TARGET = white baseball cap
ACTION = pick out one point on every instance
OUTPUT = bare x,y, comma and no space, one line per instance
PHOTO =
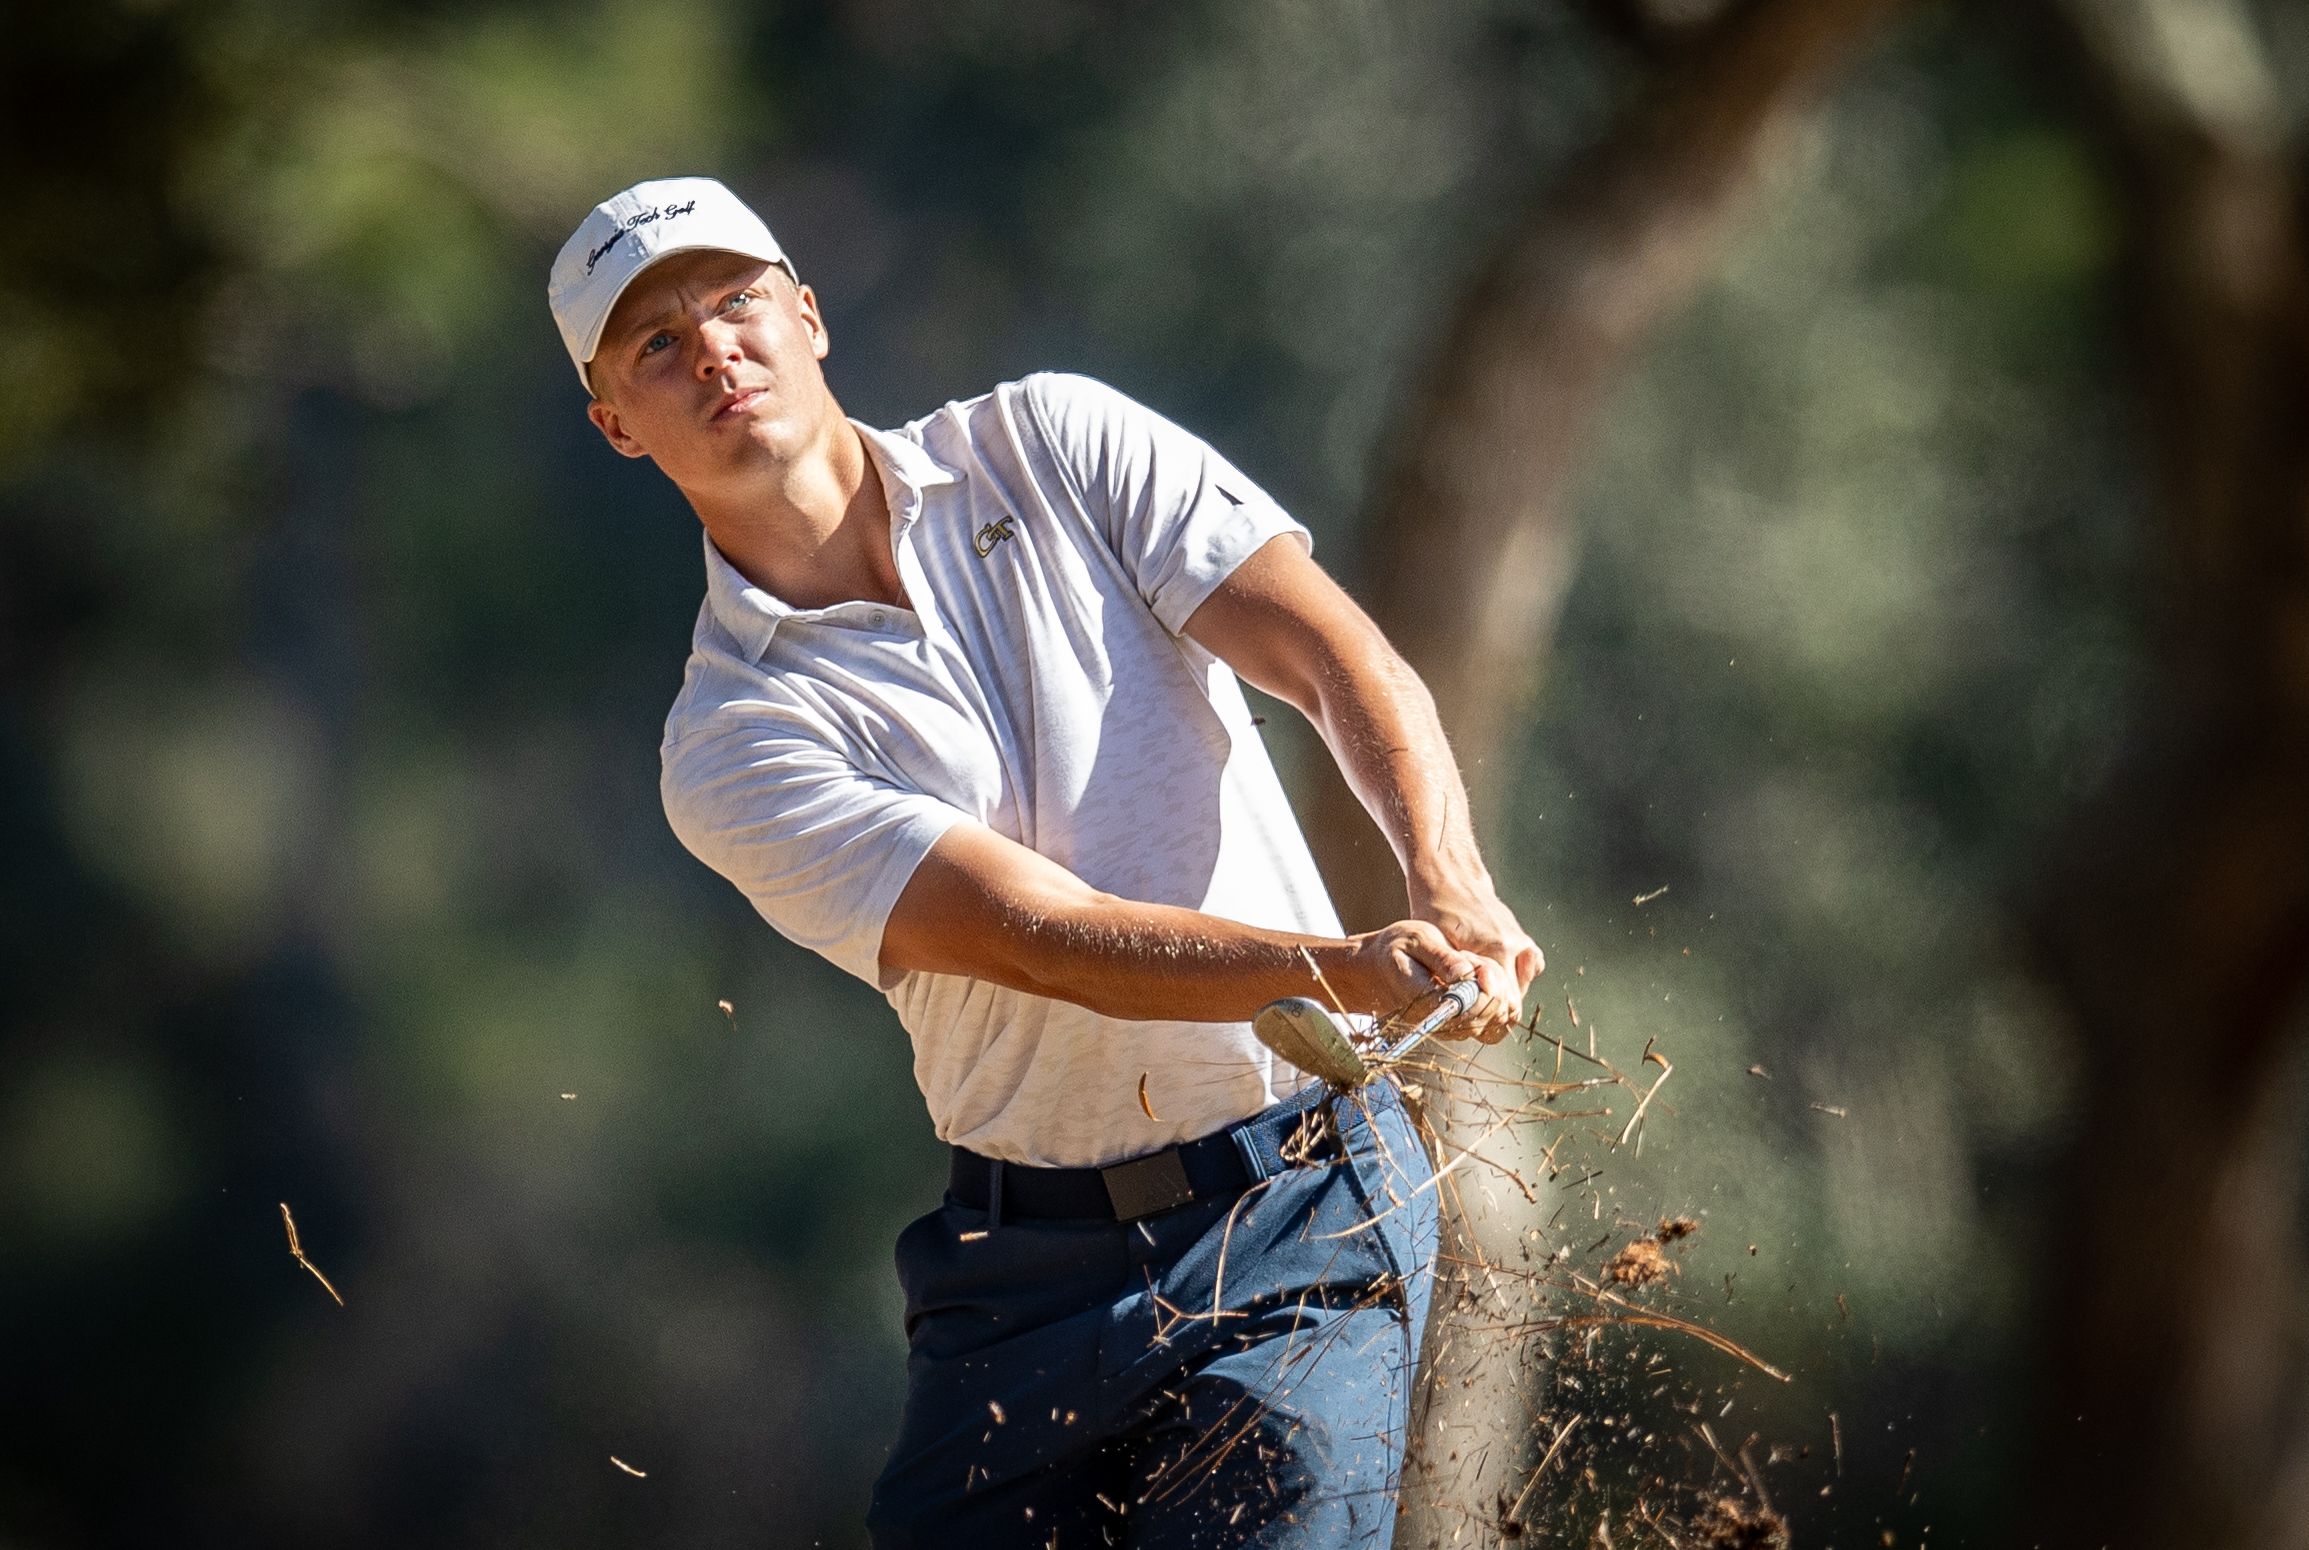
628,232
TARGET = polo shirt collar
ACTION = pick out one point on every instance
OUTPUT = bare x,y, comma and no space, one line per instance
909,460
748,613
752,615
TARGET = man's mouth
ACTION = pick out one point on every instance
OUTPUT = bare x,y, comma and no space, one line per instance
737,403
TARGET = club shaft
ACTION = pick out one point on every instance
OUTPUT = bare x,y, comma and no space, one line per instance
1458,998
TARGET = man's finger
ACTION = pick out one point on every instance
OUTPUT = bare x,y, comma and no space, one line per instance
1476,1022
1434,952
1498,1008
1530,964
1486,1019
1498,1019
1496,983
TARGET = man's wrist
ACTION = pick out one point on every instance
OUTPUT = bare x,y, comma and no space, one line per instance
1342,976
1437,883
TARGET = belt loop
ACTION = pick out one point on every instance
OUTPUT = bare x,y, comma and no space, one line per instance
994,1192
1246,1139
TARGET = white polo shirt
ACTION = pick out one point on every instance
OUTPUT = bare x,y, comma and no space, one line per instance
1053,536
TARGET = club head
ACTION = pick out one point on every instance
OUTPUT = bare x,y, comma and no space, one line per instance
1305,1033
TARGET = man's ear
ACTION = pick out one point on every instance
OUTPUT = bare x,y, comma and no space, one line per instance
606,420
806,304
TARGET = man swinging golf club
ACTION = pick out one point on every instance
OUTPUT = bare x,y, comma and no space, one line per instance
962,715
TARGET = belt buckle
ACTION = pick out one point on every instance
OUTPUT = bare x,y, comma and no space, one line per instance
1145,1185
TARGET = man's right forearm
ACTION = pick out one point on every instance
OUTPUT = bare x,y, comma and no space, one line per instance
1152,961
983,906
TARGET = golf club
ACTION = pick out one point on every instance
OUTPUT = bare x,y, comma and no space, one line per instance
1305,1033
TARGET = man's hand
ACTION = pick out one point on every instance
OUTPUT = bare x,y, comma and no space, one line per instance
1398,964
1401,963
1474,920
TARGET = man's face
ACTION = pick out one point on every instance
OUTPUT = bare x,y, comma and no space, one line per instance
709,366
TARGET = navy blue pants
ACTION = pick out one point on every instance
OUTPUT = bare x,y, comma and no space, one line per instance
1232,1372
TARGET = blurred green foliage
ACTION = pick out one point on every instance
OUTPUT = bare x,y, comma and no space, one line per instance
1858,623
333,649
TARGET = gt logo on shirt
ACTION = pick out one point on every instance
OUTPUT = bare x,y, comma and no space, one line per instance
991,534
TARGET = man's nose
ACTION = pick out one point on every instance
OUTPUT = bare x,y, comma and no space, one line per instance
717,348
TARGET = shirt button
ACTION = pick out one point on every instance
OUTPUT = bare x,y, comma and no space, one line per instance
878,618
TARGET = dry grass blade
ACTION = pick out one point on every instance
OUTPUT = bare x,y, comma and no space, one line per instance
1666,1071
1553,1448
1698,1332
296,1249
1316,969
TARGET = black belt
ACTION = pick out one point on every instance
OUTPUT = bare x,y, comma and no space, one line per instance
1300,1129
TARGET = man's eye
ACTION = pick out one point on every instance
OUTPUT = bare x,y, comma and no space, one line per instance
739,298
649,345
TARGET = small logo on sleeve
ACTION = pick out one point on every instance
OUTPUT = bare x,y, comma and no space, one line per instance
991,534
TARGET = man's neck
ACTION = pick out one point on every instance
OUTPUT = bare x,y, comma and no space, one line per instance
816,531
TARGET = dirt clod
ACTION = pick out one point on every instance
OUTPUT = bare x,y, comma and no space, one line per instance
1727,1523
1639,1264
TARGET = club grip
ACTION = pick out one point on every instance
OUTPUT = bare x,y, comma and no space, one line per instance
1458,1001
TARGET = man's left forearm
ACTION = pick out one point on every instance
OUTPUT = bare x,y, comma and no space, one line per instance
1380,724
1287,627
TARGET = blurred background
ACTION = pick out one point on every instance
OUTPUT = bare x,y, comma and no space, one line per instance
1892,570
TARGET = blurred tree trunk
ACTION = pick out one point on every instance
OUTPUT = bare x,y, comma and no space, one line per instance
1466,547
2178,925
1468,552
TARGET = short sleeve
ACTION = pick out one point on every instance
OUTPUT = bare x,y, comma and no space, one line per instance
1177,514
821,849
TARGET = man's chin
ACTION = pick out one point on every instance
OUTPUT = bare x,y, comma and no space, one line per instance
741,454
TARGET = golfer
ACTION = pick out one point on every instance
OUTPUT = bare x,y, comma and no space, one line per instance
961,714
